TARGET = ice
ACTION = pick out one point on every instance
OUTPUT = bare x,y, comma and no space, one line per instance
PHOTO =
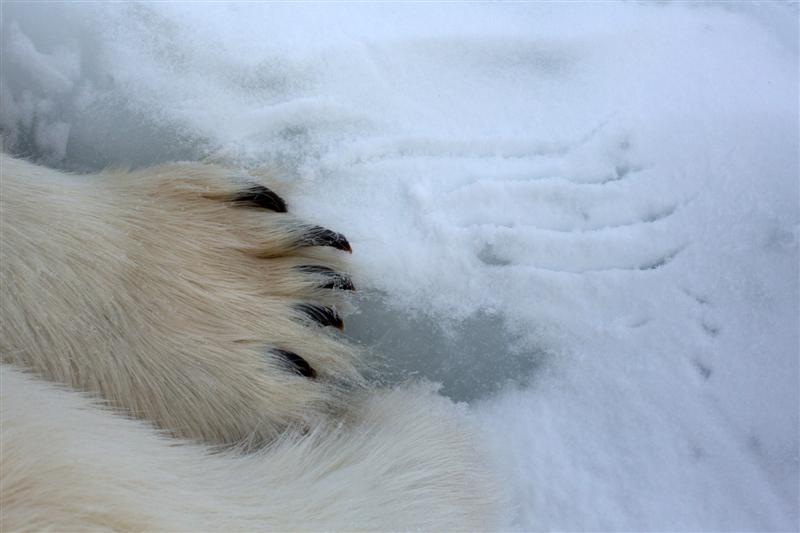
582,219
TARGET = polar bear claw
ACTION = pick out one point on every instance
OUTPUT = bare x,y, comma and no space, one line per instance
169,362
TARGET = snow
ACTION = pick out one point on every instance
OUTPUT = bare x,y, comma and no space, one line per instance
581,218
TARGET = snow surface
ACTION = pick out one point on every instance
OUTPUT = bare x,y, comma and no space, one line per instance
581,218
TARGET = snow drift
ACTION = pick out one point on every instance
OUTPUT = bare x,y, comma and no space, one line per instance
581,219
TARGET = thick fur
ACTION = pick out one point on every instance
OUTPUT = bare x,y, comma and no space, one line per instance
186,297
159,293
405,464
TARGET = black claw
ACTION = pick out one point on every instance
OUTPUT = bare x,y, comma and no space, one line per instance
260,196
324,316
299,364
336,280
319,236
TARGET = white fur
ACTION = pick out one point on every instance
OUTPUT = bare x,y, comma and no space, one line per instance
405,463
158,296
151,290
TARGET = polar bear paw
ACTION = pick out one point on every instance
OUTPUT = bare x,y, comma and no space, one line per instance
183,294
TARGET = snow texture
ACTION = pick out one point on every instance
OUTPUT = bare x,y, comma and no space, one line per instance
581,218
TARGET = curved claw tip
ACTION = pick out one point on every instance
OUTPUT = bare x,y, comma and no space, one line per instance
260,196
332,278
324,316
319,236
297,363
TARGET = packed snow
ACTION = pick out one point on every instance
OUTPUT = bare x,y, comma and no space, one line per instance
582,219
